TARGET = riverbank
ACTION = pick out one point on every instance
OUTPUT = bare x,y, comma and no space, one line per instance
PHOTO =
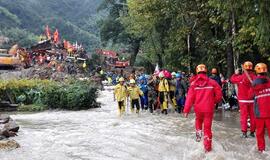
39,95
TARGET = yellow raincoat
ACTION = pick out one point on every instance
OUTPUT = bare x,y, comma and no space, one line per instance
163,89
134,92
163,86
120,94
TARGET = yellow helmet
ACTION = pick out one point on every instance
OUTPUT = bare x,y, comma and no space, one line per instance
132,81
201,68
121,79
261,68
248,65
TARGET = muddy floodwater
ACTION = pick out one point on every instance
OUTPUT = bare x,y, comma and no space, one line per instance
99,134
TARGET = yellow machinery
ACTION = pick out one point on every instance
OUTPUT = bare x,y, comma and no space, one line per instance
8,60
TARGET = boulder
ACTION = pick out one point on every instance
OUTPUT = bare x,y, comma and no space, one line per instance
6,134
8,145
12,126
4,118
2,137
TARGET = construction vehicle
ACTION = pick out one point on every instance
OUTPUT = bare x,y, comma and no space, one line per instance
8,60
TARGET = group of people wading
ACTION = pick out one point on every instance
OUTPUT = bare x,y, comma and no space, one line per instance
204,93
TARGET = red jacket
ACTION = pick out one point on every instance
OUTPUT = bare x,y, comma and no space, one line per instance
262,96
204,93
192,78
244,87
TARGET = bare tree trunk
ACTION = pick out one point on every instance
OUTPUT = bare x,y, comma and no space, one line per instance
230,61
191,50
135,50
160,63
189,53
229,50
236,53
162,50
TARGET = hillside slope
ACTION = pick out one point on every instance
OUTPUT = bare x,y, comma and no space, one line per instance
24,20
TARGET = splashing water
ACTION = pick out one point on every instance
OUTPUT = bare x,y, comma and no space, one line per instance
99,134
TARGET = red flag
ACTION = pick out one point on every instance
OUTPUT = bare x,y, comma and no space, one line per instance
56,36
47,30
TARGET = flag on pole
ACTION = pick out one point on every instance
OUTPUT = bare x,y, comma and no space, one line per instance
47,30
157,68
56,36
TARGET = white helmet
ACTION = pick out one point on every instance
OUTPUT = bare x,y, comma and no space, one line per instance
161,75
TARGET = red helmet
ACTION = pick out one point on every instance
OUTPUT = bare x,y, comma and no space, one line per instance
201,69
248,65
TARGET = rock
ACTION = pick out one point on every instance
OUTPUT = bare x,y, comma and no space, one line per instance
9,144
4,118
5,133
12,126
2,137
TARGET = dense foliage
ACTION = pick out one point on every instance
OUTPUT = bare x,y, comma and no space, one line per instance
71,95
75,20
178,34
113,33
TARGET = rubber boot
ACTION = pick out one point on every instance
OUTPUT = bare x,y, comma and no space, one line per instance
165,111
146,107
252,134
179,109
151,108
207,144
244,135
198,136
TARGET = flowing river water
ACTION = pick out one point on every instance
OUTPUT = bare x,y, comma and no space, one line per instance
99,134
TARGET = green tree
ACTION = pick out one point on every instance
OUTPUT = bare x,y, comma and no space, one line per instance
182,33
113,31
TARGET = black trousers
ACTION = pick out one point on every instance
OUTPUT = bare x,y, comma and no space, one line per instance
161,97
121,105
135,102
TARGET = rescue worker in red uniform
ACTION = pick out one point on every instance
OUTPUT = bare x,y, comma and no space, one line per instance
245,99
261,87
203,93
